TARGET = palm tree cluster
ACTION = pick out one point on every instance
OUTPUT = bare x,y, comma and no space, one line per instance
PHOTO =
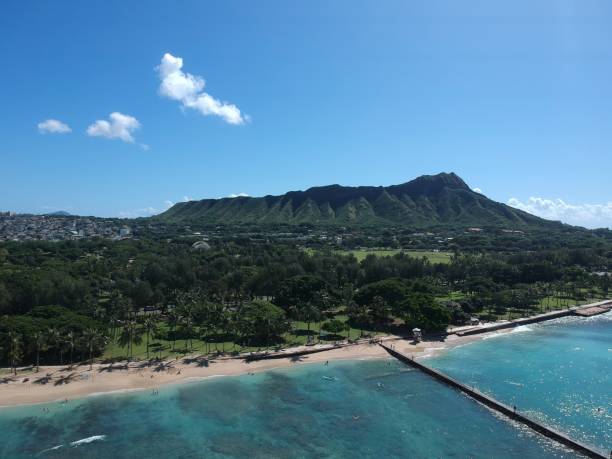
195,317
53,340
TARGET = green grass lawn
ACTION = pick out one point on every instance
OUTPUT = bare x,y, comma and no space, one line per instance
544,305
452,296
433,257
164,348
550,303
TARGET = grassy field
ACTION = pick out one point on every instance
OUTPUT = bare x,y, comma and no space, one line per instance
164,348
545,305
452,296
433,257
560,303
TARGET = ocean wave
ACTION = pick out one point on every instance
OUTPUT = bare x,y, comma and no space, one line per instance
492,335
503,332
117,391
87,440
50,449
515,383
521,328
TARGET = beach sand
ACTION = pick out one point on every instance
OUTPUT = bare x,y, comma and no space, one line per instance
58,383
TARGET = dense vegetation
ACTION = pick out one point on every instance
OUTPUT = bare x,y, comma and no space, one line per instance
67,301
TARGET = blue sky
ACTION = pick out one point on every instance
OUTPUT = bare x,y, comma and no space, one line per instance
515,98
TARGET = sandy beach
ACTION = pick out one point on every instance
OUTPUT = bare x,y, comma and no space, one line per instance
58,383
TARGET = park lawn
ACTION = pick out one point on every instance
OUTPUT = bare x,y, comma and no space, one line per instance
452,296
433,257
546,304
163,348
553,302
299,333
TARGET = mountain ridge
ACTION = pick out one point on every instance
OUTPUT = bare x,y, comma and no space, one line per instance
428,200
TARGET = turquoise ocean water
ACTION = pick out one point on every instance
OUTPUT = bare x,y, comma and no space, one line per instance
559,372
356,409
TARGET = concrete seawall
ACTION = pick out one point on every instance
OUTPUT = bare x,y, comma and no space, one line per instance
500,407
603,305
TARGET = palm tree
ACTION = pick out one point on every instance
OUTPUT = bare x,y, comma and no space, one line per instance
150,327
113,323
233,327
92,338
216,320
310,313
187,322
173,321
188,329
39,342
130,334
70,342
204,329
54,338
14,350
225,324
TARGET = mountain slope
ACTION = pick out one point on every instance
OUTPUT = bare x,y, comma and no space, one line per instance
426,201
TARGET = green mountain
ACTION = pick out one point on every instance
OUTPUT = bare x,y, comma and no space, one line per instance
429,200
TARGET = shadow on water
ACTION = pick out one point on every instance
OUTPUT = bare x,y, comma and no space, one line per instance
221,401
240,445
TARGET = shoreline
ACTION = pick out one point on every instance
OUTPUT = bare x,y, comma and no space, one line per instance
60,383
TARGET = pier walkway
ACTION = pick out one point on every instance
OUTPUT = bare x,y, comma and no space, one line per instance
492,403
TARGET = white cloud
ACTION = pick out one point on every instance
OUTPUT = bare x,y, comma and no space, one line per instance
120,127
189,90
588,215
52,126
238,195
477,190
145,211
135,213
187,198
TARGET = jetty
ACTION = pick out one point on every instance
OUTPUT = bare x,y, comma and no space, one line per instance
593,310
492,403
586,310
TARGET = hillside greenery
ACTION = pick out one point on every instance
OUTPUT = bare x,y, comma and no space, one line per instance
424,202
